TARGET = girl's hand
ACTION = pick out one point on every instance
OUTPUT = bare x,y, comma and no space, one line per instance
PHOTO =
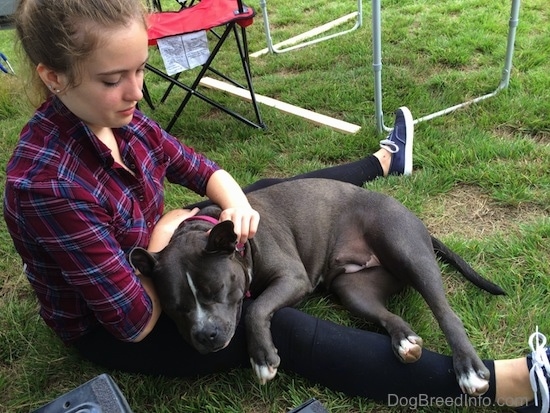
245,221
166,226
223,190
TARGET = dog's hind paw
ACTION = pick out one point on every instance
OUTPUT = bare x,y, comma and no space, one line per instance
472,384
410,349
264,372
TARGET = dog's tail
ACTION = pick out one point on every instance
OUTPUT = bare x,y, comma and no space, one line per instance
449,257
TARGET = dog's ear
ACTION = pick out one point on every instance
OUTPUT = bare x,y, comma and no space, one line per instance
222,238
143,261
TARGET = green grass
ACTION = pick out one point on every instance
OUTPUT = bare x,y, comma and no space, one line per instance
481,183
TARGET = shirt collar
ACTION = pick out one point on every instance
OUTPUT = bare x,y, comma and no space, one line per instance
75,128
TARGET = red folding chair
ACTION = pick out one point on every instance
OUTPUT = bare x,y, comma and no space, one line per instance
206,15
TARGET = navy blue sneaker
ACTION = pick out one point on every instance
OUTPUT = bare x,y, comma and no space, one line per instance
539,374
400,143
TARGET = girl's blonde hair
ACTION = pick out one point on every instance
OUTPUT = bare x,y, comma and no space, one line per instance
62,34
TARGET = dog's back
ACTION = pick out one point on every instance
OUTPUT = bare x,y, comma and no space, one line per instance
328,224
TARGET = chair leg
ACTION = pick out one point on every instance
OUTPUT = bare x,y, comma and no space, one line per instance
195,84
169,89
154,5
192,89
242,45
192,92
147,96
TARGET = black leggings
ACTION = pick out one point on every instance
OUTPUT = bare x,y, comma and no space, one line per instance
356,362
356,173
353,361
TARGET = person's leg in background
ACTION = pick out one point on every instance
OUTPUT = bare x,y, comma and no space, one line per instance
394,157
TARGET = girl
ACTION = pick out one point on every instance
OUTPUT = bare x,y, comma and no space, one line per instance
85,186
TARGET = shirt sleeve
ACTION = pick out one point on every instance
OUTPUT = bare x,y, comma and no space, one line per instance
180,163
79,238
186,166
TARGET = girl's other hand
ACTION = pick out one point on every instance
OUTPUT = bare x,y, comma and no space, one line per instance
166,226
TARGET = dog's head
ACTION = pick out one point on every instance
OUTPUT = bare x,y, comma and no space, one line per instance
201,280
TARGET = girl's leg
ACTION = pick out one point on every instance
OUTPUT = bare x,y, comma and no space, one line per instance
362,363
393,157
356,173
163,352
353,361
513,385
518,380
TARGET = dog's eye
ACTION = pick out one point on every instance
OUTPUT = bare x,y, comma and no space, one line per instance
216,290
214,295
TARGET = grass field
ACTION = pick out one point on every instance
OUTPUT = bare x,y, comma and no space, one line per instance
481,183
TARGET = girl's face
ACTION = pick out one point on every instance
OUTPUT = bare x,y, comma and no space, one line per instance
112,80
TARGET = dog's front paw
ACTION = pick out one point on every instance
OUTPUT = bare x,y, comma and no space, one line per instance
474,383
409,349
264,372
262,352
472,375
266,369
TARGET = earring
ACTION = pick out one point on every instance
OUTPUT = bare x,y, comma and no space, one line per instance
54,90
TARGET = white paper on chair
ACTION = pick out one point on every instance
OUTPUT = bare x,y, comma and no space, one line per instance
183,52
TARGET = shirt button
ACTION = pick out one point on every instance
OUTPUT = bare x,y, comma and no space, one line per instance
141,198
132,166
149,225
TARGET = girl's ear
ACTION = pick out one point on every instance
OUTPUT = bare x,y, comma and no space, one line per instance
52,79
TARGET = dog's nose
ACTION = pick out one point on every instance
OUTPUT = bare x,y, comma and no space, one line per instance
209,338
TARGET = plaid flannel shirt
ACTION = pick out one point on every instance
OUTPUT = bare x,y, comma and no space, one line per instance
74,215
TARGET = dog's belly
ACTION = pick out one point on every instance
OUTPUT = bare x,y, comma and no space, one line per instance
327,238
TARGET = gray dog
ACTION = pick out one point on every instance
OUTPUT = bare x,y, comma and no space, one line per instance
363,246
